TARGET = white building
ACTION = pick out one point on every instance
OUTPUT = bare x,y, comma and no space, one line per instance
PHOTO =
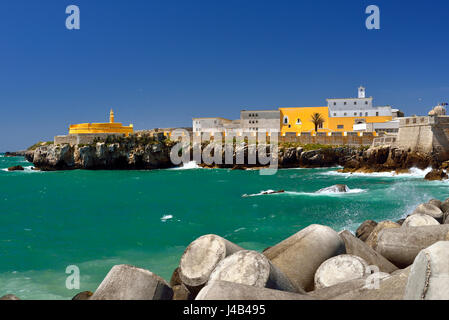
357,107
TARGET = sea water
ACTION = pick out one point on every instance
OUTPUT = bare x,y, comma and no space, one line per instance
97,219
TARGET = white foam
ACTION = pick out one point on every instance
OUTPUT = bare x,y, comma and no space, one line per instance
294,193
413,173
166,217
188,166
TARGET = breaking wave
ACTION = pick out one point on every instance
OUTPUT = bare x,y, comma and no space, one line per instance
413,173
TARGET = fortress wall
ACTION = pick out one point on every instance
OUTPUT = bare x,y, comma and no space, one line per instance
87,138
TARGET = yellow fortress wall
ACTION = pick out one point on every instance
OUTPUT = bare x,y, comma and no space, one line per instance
111,127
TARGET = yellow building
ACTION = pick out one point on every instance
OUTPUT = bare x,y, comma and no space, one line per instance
299,120
111,127
340,115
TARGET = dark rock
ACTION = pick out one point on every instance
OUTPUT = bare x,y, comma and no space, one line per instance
436,174
16,168
365,229
85,295
9,297
436,203
180,292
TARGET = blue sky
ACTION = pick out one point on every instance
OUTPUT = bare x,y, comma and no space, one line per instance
160,63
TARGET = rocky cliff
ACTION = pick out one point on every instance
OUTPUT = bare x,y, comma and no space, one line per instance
101,155
386,158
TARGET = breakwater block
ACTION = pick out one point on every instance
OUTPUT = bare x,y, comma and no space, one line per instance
254,269
360,249
300,255
430,210
372,239
402,245
125,282
419,220
387,288
429,275
224,290
340,269
200,259
365,229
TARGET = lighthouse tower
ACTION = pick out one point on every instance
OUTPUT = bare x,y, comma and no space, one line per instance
111,116
362,92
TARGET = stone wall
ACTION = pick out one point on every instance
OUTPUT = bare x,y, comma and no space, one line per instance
76,139
336,139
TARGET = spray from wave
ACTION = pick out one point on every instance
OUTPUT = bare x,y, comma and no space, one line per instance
413,173
188,166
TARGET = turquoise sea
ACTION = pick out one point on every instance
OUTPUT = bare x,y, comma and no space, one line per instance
96,219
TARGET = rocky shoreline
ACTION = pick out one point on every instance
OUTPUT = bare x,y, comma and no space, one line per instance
403,260
147,153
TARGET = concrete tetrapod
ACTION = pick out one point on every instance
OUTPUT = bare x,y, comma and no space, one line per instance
224,290
340,269
359,248
430,210
254,269
402,245
372,239
200,259
419,220
300,255
429,275
125,282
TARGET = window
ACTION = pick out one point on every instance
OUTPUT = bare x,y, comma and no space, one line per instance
366,102
340,126
361,113
286,120
345,103
298,121
366,114
377,114
346,114
335,114
355,113
355,103
257,115
335,103
289,126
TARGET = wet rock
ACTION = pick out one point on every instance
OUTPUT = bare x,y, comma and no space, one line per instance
254,269
180,292
338,188
340,269
16,168
85,295
299,256
365,229
436,174
9,297
125,282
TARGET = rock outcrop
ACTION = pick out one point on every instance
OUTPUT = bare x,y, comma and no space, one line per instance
386,158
